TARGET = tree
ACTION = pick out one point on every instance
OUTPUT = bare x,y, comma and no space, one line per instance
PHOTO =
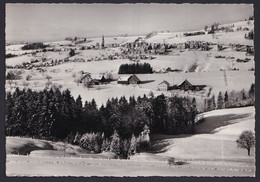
246,140
213,102
220,101
115,143
251,35
72,52
251,92
206,28
226,100
48,77
133,145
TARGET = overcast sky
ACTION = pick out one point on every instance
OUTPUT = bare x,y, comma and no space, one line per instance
44,22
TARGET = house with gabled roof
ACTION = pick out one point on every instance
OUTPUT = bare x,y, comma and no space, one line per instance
132,79
186,85
163,86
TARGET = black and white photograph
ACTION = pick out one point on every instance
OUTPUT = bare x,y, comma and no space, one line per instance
129,90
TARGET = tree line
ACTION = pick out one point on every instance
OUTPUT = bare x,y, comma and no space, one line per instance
232,99
36,45
137,68
54,115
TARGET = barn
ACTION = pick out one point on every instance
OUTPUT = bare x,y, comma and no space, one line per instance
133,79
186,85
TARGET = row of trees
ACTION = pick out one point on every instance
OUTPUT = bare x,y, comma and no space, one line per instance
232,99
97,142
36,45
135,68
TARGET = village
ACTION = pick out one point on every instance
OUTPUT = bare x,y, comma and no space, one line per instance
164,101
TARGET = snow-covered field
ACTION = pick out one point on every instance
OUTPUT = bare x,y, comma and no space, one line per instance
206,154
62,75
215,138
44,166
199,67
212,151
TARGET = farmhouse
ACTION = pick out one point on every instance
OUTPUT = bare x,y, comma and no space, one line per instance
133,79
186,85
98,79
85,77
163,86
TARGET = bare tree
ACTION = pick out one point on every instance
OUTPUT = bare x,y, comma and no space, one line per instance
48,77
246,140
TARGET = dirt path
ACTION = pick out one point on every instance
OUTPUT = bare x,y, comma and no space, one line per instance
49,166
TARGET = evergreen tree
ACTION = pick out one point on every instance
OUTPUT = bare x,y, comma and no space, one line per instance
78,113
133,145
124,147
226,101
105,147
213,102
115,143
220,101
244,97
251,92
159,110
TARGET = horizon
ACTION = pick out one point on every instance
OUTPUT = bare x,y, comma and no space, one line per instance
67,20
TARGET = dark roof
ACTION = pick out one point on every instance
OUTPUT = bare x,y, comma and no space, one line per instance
186,81
135,77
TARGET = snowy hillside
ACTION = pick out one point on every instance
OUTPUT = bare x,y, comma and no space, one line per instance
199,67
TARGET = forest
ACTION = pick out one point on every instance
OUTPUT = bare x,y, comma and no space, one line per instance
54,115
122,126
137,68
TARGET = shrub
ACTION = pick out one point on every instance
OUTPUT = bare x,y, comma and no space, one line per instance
91,141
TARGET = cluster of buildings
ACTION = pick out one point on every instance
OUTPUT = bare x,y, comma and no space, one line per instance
162,86
185,85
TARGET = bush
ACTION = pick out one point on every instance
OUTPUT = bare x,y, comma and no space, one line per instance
91,141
